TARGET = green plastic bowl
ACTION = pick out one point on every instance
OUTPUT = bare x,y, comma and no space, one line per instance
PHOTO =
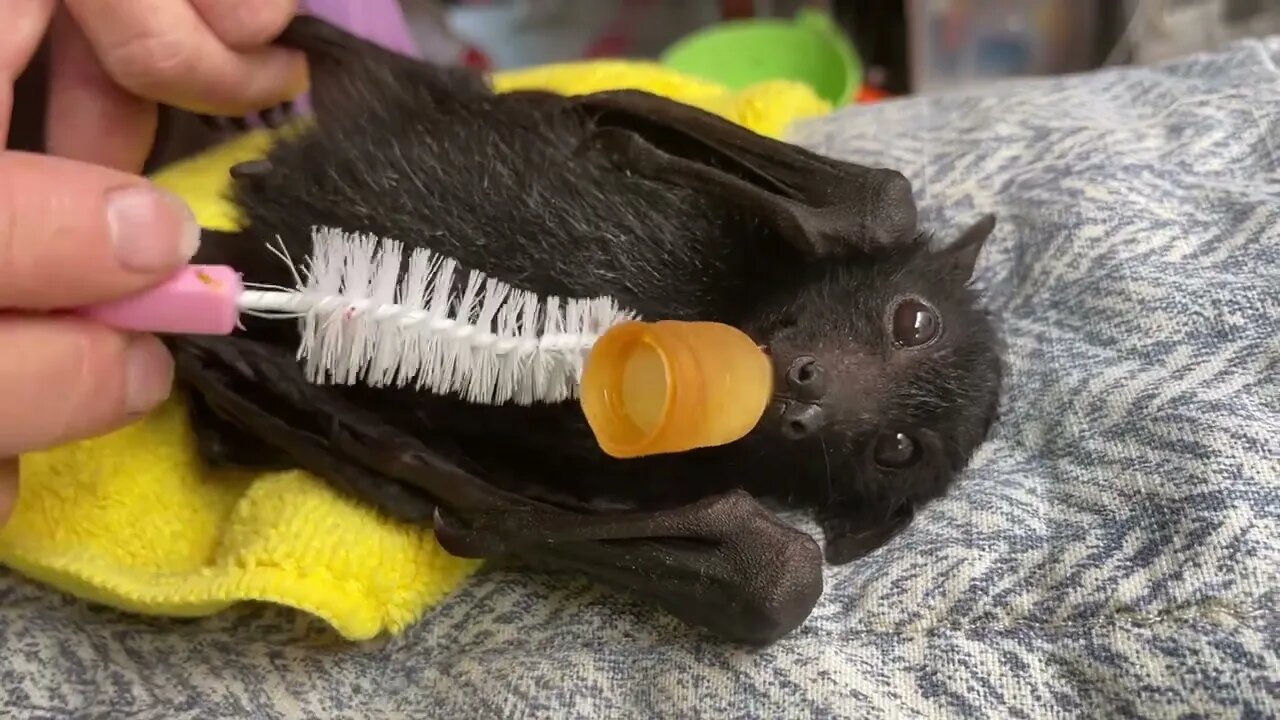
810,49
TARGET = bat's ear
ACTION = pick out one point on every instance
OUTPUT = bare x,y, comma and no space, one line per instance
849,536
961,256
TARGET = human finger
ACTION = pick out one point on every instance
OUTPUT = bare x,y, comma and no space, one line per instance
90,117
20,35
163,51
246,24
73,234
74,379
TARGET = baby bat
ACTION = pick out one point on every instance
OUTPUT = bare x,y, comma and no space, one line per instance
887,370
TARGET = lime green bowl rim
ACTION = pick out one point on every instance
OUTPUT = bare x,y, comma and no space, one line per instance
808,20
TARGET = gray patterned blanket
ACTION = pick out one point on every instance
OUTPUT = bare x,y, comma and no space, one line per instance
1113,551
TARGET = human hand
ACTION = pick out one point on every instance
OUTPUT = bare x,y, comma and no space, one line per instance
111,61
72,234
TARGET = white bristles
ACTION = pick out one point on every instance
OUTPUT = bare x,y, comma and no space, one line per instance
366,318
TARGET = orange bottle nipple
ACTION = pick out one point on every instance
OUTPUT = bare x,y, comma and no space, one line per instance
671,386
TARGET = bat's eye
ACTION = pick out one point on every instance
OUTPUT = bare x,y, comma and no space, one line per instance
914,324
896,450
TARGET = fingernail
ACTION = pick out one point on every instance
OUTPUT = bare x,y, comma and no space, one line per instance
148,374
151,229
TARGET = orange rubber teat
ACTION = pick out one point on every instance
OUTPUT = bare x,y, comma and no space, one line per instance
670,386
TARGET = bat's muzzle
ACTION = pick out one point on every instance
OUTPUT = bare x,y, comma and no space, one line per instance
805,383
801,419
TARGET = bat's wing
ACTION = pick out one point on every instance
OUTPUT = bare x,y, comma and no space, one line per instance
820,205
726,563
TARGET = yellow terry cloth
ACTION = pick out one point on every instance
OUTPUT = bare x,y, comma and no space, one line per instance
133,521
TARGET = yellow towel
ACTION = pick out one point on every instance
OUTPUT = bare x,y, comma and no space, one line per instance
132,521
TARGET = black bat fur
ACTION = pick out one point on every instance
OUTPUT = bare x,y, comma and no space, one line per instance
678,215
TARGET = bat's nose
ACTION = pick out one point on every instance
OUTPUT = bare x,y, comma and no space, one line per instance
801,420
806,379
800,392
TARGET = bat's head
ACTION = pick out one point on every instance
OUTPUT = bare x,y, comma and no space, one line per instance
888,378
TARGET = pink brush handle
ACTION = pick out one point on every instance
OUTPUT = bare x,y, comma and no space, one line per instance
198,300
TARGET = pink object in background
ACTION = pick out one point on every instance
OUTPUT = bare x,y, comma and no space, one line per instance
381,21
198,300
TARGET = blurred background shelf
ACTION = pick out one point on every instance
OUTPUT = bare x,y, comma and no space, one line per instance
905,46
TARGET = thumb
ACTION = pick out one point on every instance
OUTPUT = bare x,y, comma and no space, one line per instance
73,234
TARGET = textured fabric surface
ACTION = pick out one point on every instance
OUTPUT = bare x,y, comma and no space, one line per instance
1113,551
